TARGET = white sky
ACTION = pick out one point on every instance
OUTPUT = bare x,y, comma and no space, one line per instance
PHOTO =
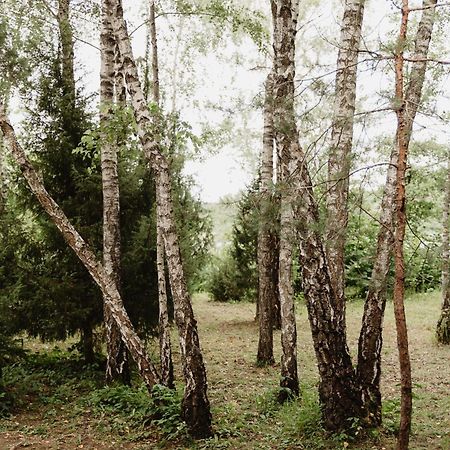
215,78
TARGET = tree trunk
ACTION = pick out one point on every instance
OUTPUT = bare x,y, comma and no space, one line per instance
165,348
370,338
399,285
267,284
67,52
84,253
285,14
339,160
443,326
337,388
195,407
2,177
116,358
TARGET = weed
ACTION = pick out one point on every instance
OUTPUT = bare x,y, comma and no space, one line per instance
391,414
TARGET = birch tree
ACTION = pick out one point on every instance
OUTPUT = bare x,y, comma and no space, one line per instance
338,391
266,263
370,339
285,14
339,160
165,348
195,406
116,357
84,253
67,48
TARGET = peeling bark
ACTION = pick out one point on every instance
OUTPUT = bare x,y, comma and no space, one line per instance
371,339
339,160
116,357
267,283
165,348
2,177
285,14
338,392
84,253
443,326
195,406
67,52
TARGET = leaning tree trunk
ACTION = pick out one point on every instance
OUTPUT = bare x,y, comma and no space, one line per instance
443,325
165,348
84,253
370,338
267,284
339,159
284,14
116,360
195,406
399,285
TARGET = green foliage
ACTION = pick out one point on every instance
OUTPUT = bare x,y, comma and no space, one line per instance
222,279
223,13
234,276
391,415
359,251
51,379
46,286
138,409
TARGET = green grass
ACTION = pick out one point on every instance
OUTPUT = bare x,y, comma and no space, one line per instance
59,403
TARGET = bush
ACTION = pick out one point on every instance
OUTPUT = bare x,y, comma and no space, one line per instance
222,280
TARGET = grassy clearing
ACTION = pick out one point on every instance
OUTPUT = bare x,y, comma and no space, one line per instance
62,405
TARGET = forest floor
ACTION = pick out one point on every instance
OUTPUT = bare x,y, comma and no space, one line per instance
63,407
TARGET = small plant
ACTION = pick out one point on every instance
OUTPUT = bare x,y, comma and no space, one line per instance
130,407
391,414
166,411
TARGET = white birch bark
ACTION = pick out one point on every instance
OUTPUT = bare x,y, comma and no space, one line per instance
267,287
195,407
116,357
337,388
165,348
67,51
339,161
84,253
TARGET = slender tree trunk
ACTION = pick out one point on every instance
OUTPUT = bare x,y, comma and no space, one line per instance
370,339
267,284
116,358
338,392
339,161
443,326
2,177
67,51
195,407
399,285
285,14
165,349
84,253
